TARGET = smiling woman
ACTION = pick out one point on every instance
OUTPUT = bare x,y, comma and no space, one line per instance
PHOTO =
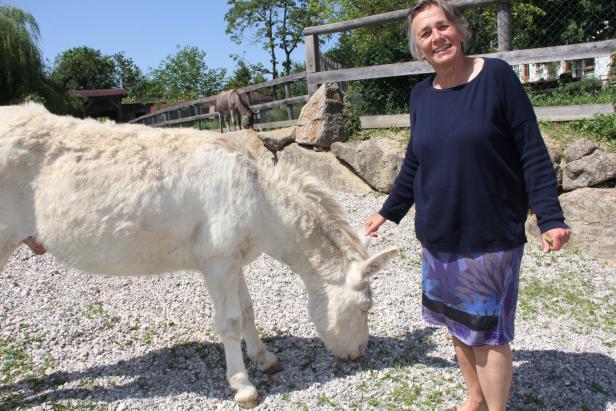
475,161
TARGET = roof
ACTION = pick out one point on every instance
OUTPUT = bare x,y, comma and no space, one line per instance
106,92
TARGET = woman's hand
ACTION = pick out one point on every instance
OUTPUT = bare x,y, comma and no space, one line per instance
372,224
554,239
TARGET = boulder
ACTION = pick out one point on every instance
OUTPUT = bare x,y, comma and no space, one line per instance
590,214
326,167
580,148
252,142
321,121
588,171
555,153
377,160
276,140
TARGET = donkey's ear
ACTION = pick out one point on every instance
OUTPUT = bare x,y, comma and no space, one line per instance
365,240
378,261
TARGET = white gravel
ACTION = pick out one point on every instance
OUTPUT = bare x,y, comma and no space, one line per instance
71,340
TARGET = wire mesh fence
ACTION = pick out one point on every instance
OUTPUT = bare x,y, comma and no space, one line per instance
546,23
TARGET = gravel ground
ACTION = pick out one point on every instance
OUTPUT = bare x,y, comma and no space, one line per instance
70,340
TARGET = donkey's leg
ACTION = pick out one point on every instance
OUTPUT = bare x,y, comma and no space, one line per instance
223,283
256,350
8,245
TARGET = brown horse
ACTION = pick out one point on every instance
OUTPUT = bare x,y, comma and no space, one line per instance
232,105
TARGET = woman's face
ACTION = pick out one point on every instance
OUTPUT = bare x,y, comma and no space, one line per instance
438,39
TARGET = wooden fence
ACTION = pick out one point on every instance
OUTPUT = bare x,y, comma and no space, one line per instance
318,72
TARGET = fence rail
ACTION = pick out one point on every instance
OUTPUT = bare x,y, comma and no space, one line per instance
540,55
549,113
385,18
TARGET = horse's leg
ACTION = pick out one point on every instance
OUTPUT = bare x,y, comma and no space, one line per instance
257,351
223,283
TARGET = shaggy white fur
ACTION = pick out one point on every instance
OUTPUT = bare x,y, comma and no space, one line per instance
135,200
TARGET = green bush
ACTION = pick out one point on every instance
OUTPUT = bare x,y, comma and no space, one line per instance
586,91
602,127
350,117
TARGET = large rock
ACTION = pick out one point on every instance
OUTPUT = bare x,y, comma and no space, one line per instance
590,212
252,142
377,160
556,154
321,121
326,167
276,140
589,171
580,148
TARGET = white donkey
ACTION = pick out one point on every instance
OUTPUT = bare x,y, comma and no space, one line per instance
134,200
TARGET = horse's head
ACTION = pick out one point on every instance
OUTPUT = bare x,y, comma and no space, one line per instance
340,311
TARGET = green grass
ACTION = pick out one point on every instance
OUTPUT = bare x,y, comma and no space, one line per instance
393,133
570,295
601,129
96,311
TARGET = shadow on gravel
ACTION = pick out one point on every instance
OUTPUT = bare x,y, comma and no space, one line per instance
199,368
544,380
556,380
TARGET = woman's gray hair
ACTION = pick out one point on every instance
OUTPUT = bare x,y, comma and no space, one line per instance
453,14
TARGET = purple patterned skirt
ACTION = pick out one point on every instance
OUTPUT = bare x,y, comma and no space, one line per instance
473,294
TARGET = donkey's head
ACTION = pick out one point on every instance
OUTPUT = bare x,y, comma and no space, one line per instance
248,120
339,311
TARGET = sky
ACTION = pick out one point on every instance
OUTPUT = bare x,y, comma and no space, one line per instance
147,31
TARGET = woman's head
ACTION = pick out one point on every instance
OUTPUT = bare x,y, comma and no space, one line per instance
418,13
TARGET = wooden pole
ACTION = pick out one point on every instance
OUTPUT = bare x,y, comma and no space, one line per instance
287,94
504,23
311,43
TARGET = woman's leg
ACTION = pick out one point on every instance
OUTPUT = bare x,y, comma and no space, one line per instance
494,370
466,361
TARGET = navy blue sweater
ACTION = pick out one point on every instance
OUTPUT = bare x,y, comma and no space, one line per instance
475,160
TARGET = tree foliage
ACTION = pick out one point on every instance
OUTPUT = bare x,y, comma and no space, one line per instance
128,76
275,24
21,66
374,45
245,74
258,16
185,76
83,68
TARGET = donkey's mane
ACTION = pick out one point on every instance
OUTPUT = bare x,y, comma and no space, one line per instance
308,193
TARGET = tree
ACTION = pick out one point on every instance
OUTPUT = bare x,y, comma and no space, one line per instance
83,68
274,24
21,66
374,45
294,16
129,76
185,76
245,74
258,15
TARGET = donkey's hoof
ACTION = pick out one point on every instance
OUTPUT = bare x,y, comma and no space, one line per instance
247,397
271,364
272,368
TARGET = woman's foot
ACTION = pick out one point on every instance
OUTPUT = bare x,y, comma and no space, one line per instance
471,405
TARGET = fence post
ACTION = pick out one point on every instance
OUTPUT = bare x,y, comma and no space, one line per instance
503,19
287,94
311,45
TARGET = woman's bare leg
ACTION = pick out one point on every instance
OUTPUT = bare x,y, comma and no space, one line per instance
466,360
494,369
